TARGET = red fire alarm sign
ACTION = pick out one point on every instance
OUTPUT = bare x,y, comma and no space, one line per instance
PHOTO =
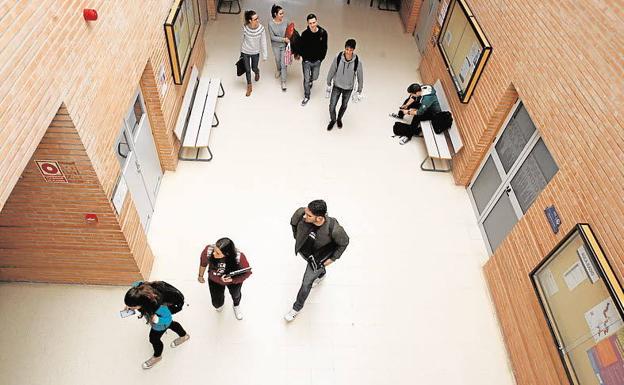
91,219
51,171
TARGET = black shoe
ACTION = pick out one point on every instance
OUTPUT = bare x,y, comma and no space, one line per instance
339,123
330,125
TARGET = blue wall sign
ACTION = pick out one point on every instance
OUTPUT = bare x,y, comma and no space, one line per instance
553,218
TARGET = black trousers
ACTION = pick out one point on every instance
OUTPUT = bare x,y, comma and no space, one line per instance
217,293
251,63
155,336
413,128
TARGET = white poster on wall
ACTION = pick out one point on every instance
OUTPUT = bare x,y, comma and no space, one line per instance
603,319
574,275
547,279
588,264
162,80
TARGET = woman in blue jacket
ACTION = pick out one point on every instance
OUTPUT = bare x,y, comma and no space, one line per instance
144,298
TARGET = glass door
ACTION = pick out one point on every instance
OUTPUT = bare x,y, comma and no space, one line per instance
516,169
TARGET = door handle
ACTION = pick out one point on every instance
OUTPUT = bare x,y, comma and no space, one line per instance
508,190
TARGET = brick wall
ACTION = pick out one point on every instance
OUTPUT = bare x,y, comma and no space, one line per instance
563,60
410,10
53,57
43,232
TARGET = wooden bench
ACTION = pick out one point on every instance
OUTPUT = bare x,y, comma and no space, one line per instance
440,146
197,115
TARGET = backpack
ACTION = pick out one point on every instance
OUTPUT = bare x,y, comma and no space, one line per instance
355,67
171,296
442,121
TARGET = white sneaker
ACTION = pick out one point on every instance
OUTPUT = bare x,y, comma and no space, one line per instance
318,281
219,309
292,313
238,313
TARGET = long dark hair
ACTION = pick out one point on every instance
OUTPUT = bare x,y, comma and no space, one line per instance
248,15
145,297
274,10
227,247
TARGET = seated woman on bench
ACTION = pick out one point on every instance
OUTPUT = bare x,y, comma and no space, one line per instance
422,103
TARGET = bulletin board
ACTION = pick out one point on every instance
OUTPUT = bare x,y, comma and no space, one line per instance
582,301
181,30
464,47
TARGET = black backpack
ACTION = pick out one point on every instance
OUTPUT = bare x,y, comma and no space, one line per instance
355,66
442,121
316,257
171,296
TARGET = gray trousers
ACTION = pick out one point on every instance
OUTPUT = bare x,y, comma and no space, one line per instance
310,73
278,52
306,285
335,95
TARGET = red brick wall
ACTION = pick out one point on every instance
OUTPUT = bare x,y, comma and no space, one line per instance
410,10
563,60
53,57
43,232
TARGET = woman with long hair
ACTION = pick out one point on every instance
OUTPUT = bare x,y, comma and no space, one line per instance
221,259
279,40
253,42
148,301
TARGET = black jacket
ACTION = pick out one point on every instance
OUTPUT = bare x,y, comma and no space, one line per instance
313,46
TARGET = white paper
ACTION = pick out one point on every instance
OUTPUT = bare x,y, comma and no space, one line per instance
120,195
475,51
588,264
547,279
574,275
603,319
443,10
162,80
465,69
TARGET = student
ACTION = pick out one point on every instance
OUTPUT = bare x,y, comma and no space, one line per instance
313,47
342,74
148,301
321,241
422,103
221,259
253,42
279,40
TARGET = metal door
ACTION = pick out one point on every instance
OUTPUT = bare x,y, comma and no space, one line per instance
428,14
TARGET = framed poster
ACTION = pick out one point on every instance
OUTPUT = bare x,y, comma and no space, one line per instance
585,314
181,30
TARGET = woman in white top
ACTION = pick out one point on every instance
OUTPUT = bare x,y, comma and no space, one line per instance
277,32
253,41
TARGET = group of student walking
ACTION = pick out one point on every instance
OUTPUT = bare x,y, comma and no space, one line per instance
319,239
345,74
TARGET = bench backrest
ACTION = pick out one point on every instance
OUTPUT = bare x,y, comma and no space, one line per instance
185,109
444,105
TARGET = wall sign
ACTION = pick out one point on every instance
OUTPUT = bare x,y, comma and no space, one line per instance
120,194
553,218
51,171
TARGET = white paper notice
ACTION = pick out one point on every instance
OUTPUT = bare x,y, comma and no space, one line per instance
588,264
603,319
547,279
574,275
120,195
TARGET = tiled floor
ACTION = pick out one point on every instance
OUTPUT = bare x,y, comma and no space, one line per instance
407,303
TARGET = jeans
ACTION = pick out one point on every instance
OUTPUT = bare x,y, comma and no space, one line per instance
310,73
278,52
306,285
155,336
335,95
251,63
217,293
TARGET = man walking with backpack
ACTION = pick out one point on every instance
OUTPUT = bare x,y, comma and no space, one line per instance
320,240
312,46
342,74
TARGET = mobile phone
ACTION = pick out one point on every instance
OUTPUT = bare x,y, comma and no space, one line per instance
126,313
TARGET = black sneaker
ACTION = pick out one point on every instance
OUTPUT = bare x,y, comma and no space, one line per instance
339,123
331,125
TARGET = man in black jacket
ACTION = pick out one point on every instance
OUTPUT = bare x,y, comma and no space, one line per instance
313,47
321,241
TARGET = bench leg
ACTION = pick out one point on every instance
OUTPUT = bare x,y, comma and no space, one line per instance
215,116
230,9
386,8
196,158
222,91
434,169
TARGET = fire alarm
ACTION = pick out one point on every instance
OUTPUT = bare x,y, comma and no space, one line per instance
91,219
89,14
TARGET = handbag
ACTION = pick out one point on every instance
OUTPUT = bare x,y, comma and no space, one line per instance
288,57
240,66
442,121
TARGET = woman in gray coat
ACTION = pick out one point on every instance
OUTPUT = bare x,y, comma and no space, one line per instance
277,32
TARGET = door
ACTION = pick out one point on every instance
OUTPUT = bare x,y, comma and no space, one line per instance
136,152
428,14
516,169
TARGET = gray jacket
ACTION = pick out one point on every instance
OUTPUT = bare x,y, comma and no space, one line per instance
344,73
301,229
